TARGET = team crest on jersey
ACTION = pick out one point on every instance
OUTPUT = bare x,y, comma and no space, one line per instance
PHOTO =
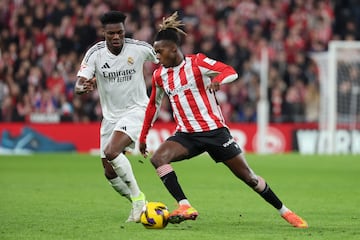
130,61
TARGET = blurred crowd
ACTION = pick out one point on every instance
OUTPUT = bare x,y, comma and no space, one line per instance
43,41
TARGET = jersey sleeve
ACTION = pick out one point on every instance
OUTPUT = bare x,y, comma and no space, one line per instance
152,56
149,52
223,73
152,109
87,67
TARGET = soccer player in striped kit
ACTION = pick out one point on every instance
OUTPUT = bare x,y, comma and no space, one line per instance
190,83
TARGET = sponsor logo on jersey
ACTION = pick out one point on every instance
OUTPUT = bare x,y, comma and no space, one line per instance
180,89
119,76
106,65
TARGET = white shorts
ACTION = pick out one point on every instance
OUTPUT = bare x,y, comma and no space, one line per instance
130,123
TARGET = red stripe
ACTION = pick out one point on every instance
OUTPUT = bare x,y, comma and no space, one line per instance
183,79
191,100
195,110
151,108
221,122
171,84
157,77
182,114
202,89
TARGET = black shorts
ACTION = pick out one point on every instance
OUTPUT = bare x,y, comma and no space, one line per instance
218,143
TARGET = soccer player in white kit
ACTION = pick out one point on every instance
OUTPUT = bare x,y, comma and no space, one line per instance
117,65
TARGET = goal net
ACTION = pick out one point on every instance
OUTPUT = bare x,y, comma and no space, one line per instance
339,118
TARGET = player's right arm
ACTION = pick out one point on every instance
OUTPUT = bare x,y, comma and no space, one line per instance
84,85
86,82
151,113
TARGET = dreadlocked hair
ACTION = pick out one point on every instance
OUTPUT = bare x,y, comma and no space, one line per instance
170,29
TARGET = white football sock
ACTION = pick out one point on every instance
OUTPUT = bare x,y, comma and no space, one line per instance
283,210
184,202
119,186
123,169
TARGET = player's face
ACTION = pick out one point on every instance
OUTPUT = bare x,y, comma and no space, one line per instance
114,34
167,53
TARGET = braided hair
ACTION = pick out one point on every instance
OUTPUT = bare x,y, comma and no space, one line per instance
170,29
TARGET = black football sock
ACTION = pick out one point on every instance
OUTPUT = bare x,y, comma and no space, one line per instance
171,183
270,197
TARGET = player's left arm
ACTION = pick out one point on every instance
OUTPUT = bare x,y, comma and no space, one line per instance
221,72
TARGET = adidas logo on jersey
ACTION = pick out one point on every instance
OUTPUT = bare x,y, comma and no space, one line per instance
106,65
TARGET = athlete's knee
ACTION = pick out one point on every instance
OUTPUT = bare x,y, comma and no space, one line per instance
159,159
110,154
156,162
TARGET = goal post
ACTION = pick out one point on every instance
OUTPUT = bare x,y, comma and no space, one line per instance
339,79
263,105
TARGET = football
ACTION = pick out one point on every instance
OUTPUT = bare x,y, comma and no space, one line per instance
155,215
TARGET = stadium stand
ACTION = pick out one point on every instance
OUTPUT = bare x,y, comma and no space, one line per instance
42,42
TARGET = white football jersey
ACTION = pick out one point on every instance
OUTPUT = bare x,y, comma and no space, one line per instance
120,79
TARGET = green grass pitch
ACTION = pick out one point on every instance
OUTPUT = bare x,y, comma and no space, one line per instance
65,196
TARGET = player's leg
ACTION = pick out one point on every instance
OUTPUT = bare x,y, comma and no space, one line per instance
115,181
170,151
122,167
118,184
240,168
222,148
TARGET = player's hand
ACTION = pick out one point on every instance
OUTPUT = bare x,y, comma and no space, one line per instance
92,83
89,85
85,85
143,151
213,87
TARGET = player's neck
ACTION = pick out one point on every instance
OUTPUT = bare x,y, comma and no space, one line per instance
179,59
115,51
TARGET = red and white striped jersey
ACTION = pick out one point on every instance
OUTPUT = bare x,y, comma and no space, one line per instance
195,108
